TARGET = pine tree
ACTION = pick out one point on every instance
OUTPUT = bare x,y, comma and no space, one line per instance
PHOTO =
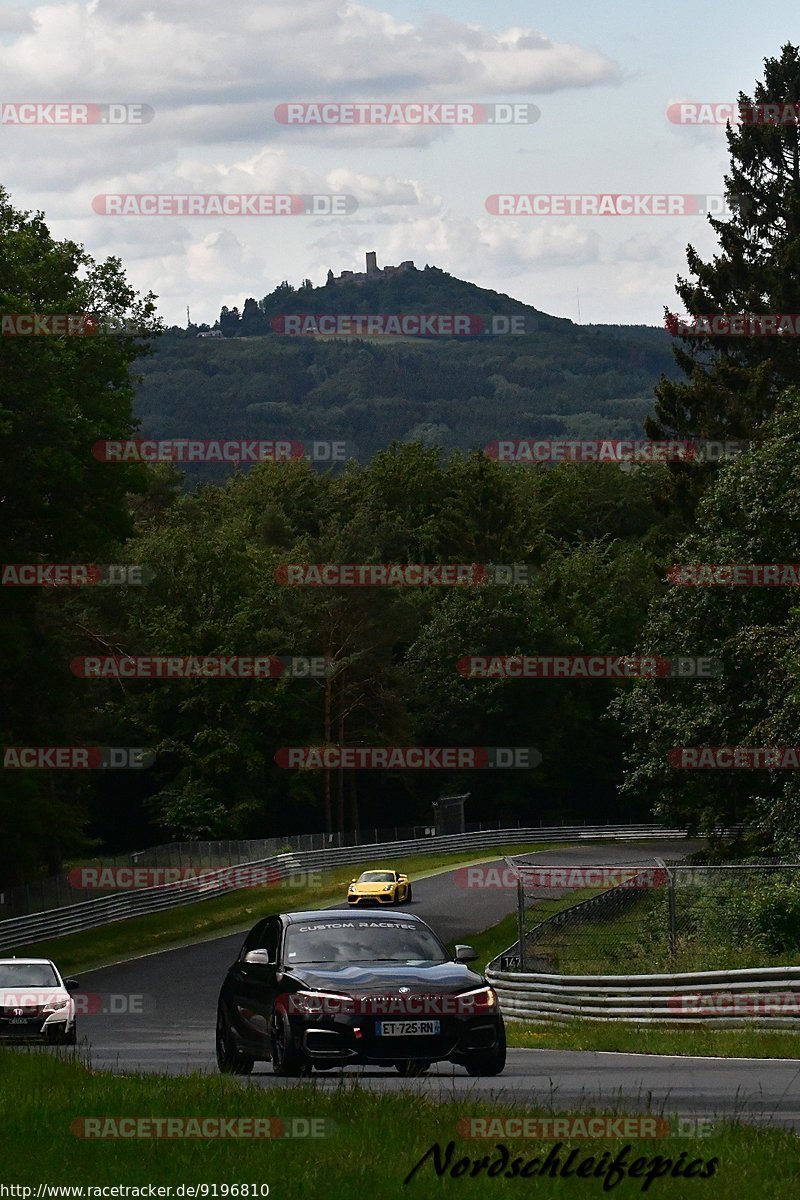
732,382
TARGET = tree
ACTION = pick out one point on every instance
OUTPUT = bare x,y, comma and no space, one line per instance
229,321
60,503
750,514
731,383
252,322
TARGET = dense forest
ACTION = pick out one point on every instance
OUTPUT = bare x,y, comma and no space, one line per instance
600,542
559,380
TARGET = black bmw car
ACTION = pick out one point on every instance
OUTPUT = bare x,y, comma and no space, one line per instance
336,987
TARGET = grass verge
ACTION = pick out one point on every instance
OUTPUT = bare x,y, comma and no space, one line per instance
376,1141
627,1037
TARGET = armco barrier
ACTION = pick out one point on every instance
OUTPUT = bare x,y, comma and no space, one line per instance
89,914
767,996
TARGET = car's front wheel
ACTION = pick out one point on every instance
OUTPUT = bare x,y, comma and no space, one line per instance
286,1058
230,1060
409,894
488,1062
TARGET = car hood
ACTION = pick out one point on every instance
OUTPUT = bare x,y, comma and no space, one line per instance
357,979
371,888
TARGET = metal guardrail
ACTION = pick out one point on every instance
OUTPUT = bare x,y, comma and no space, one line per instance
121,906
767,996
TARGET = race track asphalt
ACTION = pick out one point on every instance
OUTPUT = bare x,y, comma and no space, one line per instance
177,991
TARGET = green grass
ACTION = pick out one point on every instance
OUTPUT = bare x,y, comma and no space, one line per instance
231,913
637,941
375,1142
628,1037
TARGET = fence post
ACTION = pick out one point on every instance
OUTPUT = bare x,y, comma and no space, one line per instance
521,922
670,905
673,936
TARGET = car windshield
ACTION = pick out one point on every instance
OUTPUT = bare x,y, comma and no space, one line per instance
377,877
27,975
362,941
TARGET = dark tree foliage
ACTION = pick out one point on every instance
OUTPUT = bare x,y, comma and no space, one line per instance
730,383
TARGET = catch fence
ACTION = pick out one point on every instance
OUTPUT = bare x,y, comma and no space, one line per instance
665,916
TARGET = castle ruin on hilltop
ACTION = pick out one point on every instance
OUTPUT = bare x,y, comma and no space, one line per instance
373,271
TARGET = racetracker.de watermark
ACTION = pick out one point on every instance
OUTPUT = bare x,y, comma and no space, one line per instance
405,112
86,1004
540,450
741,758
719,112
325,1004
734,325
77,758
223,204
403,574
580,1126
70,325
737,1004
73,575
202,1128
195,450
66,112
529,666
175,666
492,878
423,325
119,879
735,574
613,204
407,758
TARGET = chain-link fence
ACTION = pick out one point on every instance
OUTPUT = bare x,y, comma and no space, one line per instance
580,920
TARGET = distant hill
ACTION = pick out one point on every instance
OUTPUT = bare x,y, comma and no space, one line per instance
404,291
556,380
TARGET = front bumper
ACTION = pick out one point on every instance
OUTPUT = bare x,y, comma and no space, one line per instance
346,1039
354,898
36,1027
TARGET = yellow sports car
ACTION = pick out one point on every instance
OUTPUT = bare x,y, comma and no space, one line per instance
379,887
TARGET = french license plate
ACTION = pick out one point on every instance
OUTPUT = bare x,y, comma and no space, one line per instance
408,1028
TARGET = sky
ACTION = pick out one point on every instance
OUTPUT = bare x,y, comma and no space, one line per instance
213,75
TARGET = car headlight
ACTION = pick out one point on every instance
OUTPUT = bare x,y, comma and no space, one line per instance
320,1004
56,1005
478,1002
352,887
387,887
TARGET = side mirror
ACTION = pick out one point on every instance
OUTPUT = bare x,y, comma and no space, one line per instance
69,984
354,881
259,958
466,953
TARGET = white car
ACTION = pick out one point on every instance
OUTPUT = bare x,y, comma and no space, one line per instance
35,1003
